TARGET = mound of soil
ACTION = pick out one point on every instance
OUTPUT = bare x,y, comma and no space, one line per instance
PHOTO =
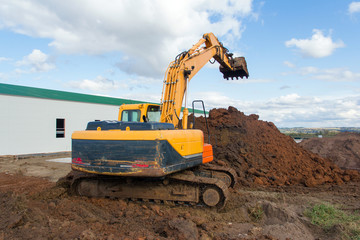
343,149
261,155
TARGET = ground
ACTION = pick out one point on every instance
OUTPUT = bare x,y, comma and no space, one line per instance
33,207
342,149
278,181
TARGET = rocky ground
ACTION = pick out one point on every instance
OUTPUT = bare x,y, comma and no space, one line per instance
278,181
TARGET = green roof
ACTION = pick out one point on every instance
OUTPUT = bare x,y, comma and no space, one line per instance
16,90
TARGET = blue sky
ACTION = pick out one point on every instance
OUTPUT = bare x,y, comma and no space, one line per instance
303,56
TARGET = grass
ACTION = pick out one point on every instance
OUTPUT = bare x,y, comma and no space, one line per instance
256,213
328,216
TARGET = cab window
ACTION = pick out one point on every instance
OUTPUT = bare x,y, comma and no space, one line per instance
153,114
130,116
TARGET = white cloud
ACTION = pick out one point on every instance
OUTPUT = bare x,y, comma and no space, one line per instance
294,110
289,64
146,96
317,46
325,74
330,74
308,70
292,98
247,80
100,83
38,61
354,7
144,82
316,112
214,99
149,33
4,59
337,74
3,76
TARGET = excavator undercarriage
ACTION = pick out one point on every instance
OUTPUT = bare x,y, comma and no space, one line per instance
204,185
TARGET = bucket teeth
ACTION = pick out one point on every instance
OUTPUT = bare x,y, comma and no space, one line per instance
240,69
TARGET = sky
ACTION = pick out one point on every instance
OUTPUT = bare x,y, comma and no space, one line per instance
303,56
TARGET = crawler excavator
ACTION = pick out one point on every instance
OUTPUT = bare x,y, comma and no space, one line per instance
145,154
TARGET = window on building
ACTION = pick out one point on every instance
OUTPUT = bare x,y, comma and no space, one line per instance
60,128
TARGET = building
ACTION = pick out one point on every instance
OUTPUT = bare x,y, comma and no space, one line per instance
35,120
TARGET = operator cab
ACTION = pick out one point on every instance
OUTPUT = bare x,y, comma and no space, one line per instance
139,113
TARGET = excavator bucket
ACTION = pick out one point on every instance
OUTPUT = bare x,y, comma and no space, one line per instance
239,69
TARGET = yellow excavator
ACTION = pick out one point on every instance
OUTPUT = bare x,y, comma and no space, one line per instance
146,154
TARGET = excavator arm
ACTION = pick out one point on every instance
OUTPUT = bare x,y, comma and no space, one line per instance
184,68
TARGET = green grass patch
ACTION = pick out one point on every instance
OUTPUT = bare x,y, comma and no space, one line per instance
256,213
327,216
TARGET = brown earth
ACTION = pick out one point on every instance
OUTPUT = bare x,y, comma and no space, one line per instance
343,149
35,208
278,181
262,155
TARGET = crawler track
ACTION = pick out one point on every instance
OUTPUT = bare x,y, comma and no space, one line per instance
184,187
225,174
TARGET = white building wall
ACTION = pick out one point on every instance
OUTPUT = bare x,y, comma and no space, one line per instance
28,125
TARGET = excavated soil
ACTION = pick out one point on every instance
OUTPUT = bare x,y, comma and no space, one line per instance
34,208
343,149
262,155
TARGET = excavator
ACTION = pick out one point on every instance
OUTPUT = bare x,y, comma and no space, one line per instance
147,154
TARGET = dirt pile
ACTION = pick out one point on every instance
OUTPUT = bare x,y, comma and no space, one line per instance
343,149
262,155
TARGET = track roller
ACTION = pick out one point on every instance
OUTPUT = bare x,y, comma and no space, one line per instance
211,196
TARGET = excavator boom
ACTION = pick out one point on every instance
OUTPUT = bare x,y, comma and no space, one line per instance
184,68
